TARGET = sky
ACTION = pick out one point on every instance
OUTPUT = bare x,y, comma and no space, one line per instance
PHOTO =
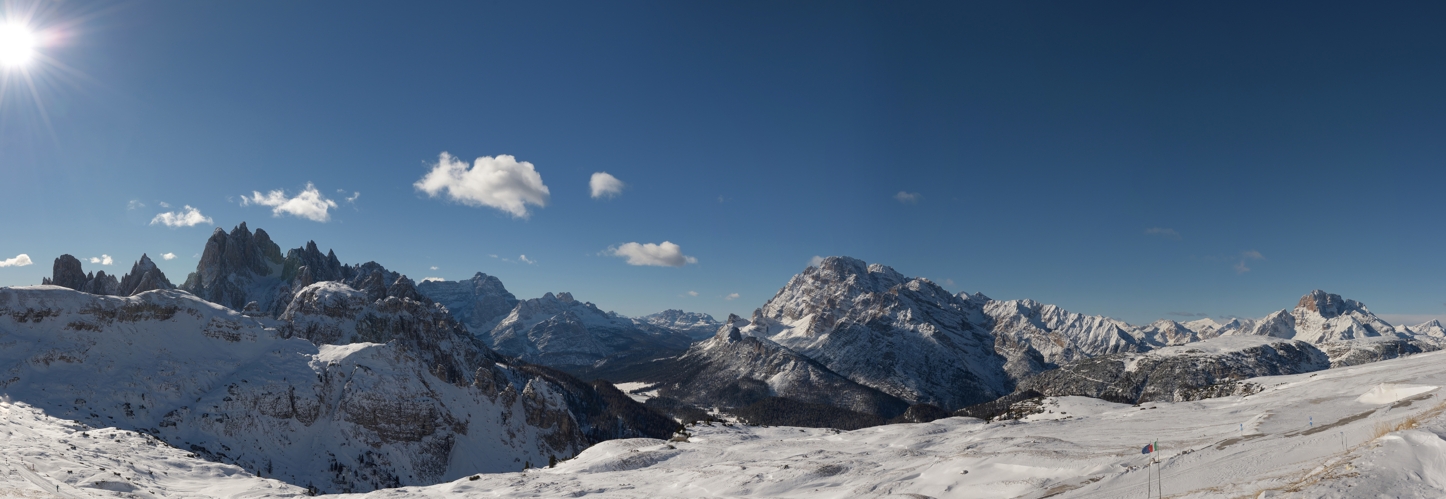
1141,160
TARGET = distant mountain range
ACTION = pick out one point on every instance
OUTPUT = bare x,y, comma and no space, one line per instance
351,377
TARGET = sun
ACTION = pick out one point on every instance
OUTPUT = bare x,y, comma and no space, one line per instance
17,45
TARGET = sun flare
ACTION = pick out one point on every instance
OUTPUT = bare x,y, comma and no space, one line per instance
17,45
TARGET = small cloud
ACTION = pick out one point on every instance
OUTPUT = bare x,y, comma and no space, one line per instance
948,282
164,204
434,267
186,217
135,204
604,185
434,279
815,261
1188,314
1163,233
308,204
690,293
493,256
197,255
731,296
103,260
665,254
524,259
501,182
1240,267
20,260
168,256
908,197
722,199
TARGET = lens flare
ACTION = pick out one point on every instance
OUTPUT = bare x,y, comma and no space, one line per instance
17,45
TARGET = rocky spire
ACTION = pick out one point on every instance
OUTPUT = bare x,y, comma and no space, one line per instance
231,260
67,273
144,276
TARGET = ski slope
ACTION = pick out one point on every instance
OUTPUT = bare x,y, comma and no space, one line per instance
1307,435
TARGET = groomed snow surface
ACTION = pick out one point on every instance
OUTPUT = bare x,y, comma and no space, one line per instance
1338,433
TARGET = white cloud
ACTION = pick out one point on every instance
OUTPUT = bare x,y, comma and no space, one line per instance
308,204
164,204
352,198
501,182
20,260
604,185
1240,268
168,256
1163,232
948,282
103,260
493,256
434,279
434,267
692,293
731,297
908,197
666,254
523,259
135,204
815,261
187,217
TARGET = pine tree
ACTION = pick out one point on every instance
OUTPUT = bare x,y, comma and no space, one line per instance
551,461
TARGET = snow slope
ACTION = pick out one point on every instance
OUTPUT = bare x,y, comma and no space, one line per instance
1305,435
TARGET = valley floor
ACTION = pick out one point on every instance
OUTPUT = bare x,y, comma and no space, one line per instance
1365,431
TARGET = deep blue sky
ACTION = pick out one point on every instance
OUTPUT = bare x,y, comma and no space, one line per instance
1043,142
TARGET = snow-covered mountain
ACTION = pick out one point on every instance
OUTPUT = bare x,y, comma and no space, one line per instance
477,302
906,337
696,325
403,397
1060,336
560,331
733,370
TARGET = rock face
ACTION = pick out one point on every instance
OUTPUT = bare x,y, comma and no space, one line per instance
906,337
387,393
237,268
734,370
560,331
478,302
144,276
698,326
1205,369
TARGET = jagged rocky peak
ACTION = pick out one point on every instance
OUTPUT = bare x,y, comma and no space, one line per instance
232,264
323,267
696,325
1329,305
144,276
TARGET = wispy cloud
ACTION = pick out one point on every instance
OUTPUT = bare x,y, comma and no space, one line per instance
731,297
692,293
1240,267
815,261
186,217
434,267
103,260
948,282
501,182
168,256
164,204
908,197
353,197
135,204
1163,233
20,260
665,254
308,204
604,185
524,259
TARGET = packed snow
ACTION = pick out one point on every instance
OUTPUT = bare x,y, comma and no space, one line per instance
1352,432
